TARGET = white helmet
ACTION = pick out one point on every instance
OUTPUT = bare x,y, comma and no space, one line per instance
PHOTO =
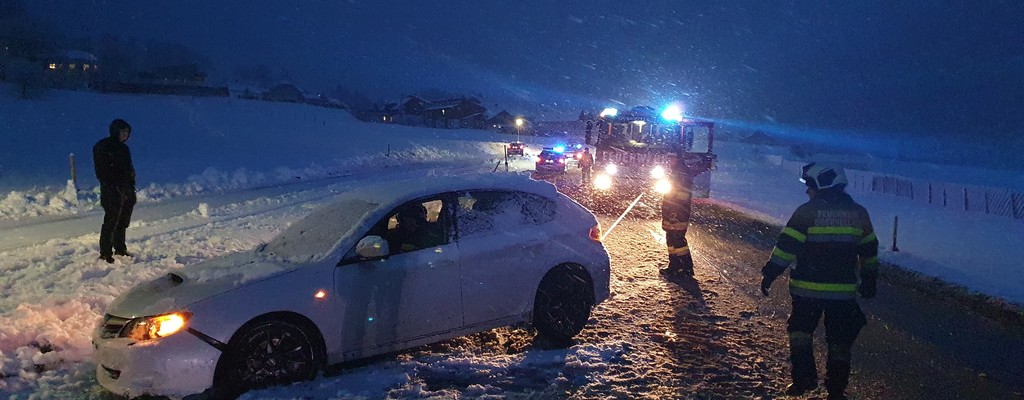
823,176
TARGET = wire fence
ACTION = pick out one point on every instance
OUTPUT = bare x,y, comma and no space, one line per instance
952,196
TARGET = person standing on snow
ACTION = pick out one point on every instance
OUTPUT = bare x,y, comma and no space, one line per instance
586,164
675,216
827,237
113,163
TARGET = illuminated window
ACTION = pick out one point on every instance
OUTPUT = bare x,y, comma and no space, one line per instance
53,66
72,66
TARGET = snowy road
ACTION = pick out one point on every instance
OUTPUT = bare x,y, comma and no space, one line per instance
713,337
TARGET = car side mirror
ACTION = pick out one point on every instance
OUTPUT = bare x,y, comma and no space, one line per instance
372,247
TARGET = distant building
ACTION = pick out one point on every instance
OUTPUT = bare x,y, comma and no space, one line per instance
462,112
72,68
408,111
502,122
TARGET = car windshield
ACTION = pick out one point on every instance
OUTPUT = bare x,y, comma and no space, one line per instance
316,235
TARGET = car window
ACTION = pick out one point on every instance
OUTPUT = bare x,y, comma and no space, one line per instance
480,212
415,226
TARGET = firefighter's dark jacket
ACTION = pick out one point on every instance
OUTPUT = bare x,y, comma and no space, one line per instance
113,162
827,238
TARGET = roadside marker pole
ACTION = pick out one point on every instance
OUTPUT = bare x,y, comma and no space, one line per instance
895,229
621,216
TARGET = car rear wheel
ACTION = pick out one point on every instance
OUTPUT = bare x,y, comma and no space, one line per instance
562,306
268,353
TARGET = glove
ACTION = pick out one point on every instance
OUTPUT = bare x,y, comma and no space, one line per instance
867,288
766,284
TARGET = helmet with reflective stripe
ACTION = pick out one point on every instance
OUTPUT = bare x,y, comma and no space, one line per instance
823,176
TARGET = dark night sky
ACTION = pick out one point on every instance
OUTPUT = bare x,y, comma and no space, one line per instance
916,67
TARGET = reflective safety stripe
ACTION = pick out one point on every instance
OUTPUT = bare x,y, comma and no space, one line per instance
871,261
814,294
836,238
817,290
674,226
678,251
823,287
783,255
867,239
835,230
799,335
795,234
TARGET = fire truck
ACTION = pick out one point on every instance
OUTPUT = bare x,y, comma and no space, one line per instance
635,149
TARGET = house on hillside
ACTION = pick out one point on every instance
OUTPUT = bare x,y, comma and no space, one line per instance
186,74
284,92
502,122
323,100
408,111
462,112
72,68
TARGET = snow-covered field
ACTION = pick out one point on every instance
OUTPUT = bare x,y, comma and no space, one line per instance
218,176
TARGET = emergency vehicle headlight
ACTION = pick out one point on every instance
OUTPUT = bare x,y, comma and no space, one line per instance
663,186
658,172
611,169
603,182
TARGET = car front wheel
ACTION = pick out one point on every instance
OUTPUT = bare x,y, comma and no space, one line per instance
563,303
268,353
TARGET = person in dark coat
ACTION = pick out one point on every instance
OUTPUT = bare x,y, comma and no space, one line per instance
113,163
833,244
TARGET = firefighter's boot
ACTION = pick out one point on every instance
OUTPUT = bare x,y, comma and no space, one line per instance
837,375
679,266
801,355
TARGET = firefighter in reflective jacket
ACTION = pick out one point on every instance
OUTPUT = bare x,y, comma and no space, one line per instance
827,237
675,218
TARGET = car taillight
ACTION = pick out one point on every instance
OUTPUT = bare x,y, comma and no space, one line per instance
561,161
595,233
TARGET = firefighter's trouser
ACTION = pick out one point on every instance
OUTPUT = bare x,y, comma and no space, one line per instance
675,220
843,322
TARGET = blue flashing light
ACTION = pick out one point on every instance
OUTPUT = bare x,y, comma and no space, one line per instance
579,146
559,149
673,113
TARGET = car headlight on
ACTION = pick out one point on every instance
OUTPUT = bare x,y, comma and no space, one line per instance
658,172
663,186
157,326
611,169
603,182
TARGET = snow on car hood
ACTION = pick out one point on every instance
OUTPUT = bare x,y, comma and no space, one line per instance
176,290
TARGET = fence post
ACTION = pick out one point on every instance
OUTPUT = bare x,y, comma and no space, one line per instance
986,201
506,158
895,229
944,201
389,150
74,173
966,207
929,193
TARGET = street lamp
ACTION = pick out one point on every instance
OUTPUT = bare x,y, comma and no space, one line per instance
519,128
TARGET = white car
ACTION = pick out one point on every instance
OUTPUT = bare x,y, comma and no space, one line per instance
385,267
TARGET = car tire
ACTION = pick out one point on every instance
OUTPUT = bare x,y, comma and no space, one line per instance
562,305
267,353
